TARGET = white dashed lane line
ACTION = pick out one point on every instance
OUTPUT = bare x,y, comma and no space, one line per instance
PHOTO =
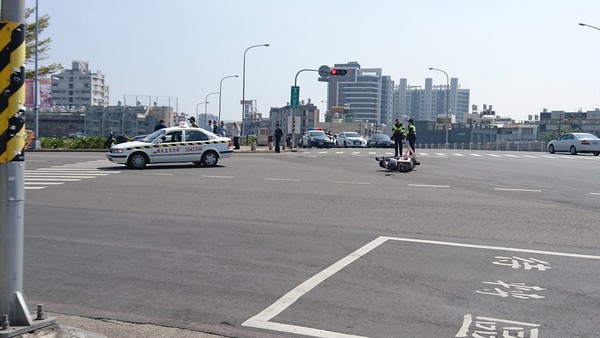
282,179
342,182
517,189
428,186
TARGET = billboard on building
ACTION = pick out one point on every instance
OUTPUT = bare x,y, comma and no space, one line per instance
45,98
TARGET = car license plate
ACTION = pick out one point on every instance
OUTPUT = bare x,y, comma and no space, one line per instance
356,143
320,143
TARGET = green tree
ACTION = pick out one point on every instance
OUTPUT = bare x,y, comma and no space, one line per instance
43,46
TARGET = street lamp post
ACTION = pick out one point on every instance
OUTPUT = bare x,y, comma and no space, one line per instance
197,117
36,83
244,84
220,90
447,100
206,107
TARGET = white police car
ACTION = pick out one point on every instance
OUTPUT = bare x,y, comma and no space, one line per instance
172,145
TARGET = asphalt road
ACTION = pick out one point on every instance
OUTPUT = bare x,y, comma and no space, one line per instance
322,243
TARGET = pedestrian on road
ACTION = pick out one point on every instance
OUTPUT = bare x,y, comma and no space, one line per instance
193,122
209,126
278,136
215,128
398,136
236,136
160,125
222,130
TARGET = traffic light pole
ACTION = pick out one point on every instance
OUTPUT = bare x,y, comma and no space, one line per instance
292,105
13,308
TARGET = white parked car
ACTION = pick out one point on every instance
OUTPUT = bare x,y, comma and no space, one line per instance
172,145
350,139
576,143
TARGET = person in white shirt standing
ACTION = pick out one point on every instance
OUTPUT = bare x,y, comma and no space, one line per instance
236,136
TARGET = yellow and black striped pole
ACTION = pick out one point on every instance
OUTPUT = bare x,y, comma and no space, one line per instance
13,308
12,96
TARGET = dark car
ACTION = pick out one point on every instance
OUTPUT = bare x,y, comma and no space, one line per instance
380,141
315,138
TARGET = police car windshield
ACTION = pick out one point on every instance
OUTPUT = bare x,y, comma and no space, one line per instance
150,138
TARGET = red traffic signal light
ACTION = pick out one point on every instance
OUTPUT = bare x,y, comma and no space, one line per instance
337,71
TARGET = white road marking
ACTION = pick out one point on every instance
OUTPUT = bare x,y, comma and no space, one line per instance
530,156
493,155
476,155
214,176
595,193
157,174
510,155
80,169
548,156
31,179
461,155
54,172
262,319
429,186
440,154
339,152
342,182
516,189
323,152
425,154
281,179
57,176
46,183
34,188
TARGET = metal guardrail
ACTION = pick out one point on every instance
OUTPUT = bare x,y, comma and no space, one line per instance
500,146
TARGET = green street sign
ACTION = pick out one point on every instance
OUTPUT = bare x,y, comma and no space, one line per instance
295,97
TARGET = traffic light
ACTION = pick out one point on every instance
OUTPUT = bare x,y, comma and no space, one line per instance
338,72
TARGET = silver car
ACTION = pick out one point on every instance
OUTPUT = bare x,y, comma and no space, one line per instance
576,143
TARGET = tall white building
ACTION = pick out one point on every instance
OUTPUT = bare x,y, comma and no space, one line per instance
428,102
78,87
365,92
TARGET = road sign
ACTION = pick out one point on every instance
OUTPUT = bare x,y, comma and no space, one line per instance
295,97
324,73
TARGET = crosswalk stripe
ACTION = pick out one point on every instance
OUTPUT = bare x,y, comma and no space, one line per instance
46,183
32,179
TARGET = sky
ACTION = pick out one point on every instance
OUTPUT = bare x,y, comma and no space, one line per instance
520,56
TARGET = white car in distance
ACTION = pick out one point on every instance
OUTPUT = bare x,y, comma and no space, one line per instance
350,139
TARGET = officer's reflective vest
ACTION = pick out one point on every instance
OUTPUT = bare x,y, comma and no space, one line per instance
397,129
412,130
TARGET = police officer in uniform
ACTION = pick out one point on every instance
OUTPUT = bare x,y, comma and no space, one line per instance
412,134
193,122
398,136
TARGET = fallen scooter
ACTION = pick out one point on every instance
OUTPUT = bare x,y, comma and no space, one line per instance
404,163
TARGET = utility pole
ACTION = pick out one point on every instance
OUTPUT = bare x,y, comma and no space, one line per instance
13,308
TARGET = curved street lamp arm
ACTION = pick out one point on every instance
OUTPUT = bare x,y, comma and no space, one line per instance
586,25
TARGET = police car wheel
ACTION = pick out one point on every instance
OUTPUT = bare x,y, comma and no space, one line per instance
137,161
209,159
